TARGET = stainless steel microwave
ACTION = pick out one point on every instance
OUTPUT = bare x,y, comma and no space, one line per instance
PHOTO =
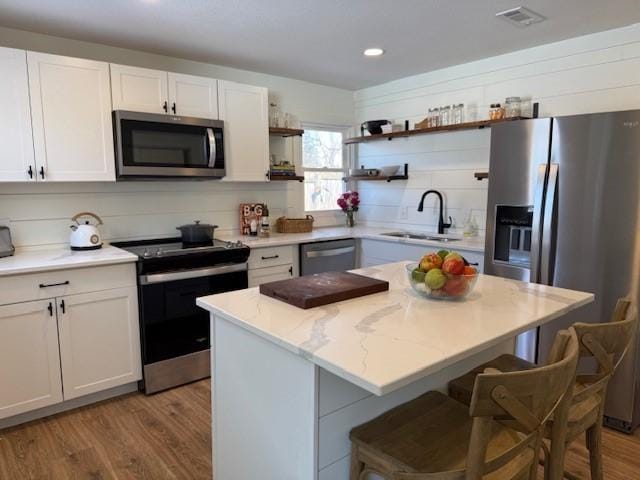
150,145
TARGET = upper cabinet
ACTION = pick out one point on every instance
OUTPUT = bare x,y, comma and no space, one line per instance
71,118
193,96
245,111
155,91
17,161
139,89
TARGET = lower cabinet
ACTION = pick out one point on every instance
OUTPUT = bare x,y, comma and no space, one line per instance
69,345
99,340
270,274
29,357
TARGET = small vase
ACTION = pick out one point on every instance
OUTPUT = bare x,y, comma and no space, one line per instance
351,221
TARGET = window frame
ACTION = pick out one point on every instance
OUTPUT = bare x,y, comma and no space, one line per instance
345,130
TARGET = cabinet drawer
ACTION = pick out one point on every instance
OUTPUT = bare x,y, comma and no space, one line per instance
270,256
36,286
270,274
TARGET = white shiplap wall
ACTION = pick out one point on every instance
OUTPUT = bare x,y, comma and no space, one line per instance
594,73
38,214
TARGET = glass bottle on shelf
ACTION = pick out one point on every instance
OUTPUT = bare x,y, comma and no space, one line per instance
458,114
445,115
435,117
274,115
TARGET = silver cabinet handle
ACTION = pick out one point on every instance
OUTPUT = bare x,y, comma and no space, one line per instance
186,274
329,253
549,203
537,217
212,147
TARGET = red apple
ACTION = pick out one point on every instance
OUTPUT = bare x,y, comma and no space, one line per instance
455,286
453,265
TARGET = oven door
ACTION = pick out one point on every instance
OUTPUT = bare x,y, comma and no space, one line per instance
175,332
152,145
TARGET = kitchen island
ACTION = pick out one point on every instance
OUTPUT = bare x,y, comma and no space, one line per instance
288,384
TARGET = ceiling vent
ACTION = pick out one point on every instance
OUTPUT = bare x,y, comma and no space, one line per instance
520,17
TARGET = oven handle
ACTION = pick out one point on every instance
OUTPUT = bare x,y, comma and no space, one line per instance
196,273
212,147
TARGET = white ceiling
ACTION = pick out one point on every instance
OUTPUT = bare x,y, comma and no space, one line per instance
318,40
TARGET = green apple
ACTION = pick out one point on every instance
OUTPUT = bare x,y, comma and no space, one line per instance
435,279
443,254
418,275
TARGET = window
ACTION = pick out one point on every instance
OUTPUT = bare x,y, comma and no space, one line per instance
324,164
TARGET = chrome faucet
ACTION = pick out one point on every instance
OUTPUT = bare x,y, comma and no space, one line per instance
441,224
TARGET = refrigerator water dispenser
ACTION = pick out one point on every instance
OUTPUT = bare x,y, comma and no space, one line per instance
513,235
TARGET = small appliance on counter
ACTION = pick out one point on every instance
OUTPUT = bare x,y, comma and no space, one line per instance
85,236
6,247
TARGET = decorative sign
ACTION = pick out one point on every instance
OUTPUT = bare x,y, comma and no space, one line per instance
250,212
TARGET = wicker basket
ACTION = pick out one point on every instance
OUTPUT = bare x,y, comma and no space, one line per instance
294,225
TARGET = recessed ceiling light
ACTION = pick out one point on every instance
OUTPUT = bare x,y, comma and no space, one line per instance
373,52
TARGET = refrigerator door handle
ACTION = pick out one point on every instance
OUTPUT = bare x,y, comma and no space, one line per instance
536,237
547,232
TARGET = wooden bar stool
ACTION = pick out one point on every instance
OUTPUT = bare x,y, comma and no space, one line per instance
607,343
434,437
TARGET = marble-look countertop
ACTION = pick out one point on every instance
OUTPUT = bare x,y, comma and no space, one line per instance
388,340
61,258
473,244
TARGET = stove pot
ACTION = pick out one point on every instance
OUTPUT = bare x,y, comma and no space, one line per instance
197,232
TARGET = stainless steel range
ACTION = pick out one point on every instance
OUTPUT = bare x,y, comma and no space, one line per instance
174,331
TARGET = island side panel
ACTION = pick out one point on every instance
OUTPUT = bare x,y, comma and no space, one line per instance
264,408
343,405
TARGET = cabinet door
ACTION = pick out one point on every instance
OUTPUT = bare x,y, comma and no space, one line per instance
99,340
139,89
245,110
16,154
71,110
29,357
270,274
193,96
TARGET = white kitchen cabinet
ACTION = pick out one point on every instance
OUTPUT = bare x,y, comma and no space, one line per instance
139,89
99,340
245,111
17,162
30,365
193,96
71,117
270,274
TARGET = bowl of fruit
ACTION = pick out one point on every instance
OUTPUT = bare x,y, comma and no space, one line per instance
442,275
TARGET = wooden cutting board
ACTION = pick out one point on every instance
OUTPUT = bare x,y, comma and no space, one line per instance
323,288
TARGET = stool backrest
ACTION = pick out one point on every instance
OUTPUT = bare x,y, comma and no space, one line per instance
607,343
523,400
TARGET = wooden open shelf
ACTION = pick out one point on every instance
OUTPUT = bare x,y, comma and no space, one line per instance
280,178
285,132
425,131
404,176
481,175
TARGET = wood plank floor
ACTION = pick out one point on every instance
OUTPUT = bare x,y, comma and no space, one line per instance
168,436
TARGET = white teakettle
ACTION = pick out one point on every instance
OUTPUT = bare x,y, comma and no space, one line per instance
85,236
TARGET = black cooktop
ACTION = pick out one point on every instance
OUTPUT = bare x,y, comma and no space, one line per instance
169,254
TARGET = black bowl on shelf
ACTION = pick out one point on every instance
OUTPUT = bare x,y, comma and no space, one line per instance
374,127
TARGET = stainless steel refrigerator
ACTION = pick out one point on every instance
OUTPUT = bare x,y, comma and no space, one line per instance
564,210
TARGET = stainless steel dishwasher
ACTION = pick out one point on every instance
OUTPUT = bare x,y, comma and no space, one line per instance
329,256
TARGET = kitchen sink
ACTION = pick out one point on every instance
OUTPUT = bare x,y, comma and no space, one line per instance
420,236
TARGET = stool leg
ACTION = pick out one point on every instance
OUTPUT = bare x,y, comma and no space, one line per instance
594,444
356,465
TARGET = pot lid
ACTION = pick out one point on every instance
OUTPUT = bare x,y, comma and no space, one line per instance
196,224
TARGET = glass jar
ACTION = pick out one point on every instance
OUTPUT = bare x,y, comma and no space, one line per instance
274,115
434,117
445,116
458,114
513,107
496,112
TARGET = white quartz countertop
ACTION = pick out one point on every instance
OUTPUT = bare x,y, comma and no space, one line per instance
388,340
475,244
30,261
